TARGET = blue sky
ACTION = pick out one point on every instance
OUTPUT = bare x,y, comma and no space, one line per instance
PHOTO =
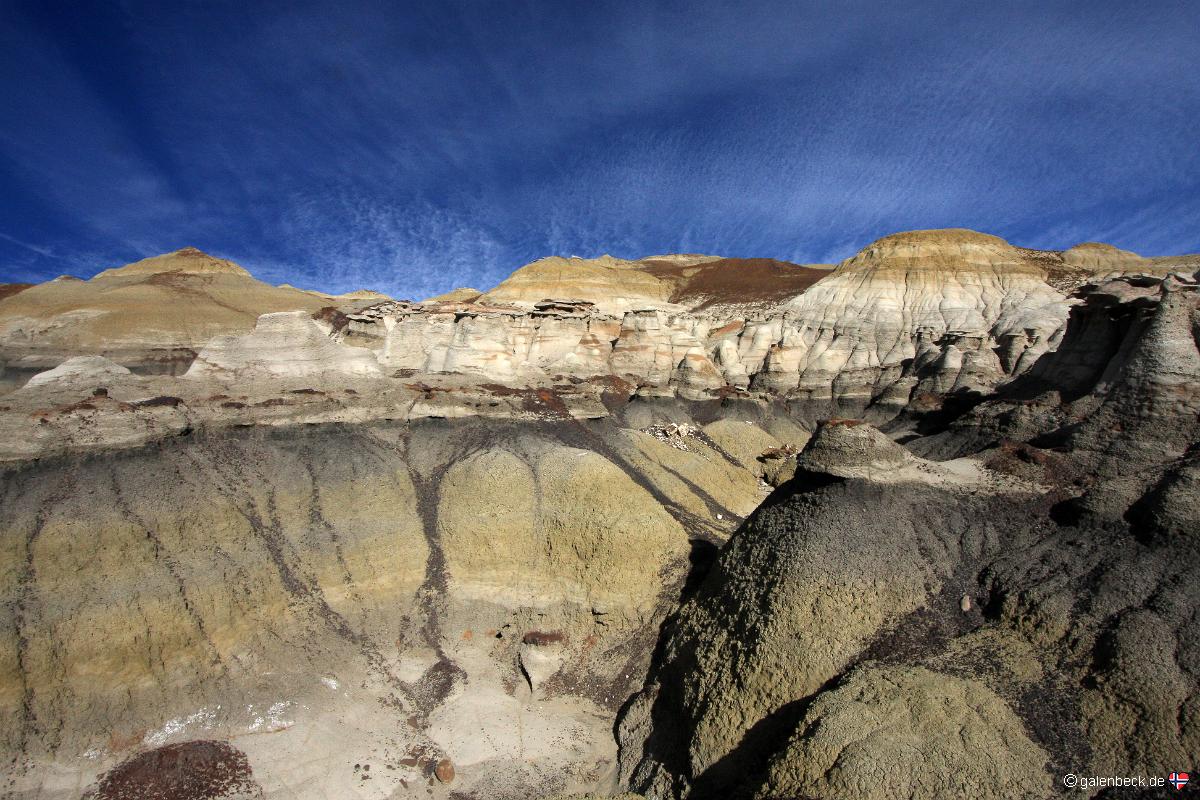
413,147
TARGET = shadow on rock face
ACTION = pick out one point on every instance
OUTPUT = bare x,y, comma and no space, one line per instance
701,557
197,770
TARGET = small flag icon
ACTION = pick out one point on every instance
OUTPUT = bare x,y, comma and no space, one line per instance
1178,779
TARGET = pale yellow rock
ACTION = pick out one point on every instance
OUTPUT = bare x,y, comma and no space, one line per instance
355,296
908,732
460,295
697,478
613,284
744,441
153,596
1100,257
189,261
141,313
558,531
486,515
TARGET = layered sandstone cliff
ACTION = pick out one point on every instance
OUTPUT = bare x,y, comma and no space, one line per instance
922,314
912,318
286,343
978,626
152,316
443,548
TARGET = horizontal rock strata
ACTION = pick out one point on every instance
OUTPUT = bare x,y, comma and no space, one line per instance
917,525
1035,589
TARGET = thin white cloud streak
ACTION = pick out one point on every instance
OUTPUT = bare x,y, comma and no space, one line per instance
417,247
348,155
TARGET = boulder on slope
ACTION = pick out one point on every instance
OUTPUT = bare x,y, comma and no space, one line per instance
849,448
78,370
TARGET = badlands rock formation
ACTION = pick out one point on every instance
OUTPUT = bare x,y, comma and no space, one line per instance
912,317
285,343
613,284
462,294
445,549
733,286
358,295
151,316
77,370
693,282
402,594
9,289
978,626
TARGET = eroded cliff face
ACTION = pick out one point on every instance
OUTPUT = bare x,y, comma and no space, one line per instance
152,316
913,317
330,597
978,626
440,549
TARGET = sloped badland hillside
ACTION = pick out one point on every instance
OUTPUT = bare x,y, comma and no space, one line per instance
922,524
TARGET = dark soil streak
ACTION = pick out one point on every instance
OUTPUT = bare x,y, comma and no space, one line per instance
25,585
24,581
438,681
317,520
714,507
633,654
574,434
305,589
169,564
716,448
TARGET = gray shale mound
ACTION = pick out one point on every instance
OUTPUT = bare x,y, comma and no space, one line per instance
605,528
829,651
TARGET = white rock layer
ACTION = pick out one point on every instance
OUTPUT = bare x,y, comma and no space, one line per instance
288,343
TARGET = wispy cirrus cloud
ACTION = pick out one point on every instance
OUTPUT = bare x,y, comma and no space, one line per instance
420,147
